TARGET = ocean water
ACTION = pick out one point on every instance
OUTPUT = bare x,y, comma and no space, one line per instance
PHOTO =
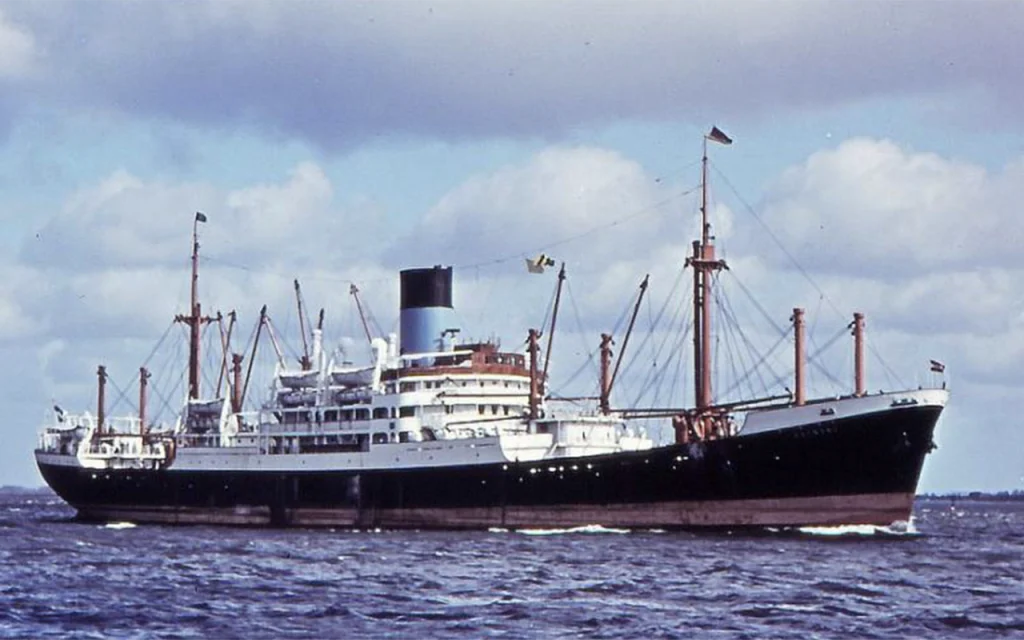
956,571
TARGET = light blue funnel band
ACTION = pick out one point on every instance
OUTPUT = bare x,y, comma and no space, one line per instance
421,328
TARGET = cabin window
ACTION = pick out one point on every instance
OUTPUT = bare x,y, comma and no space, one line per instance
380,438
447,408
406,412
481,408
407,386
362,414
380,413
392,413
346,415
331,415
404,436
506,410
494,409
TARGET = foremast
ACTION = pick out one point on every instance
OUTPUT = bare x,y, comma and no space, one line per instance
705,265
195,318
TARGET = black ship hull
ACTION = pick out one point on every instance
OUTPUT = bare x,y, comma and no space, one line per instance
857,470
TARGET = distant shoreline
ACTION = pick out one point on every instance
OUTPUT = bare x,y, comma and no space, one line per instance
997,496
10,489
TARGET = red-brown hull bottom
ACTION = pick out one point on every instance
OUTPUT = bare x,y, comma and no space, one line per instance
859,509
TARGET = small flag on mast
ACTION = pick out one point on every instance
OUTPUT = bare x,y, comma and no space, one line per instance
717,135
937,366
536,265
200,216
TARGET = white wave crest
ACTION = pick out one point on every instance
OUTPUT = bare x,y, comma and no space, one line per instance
590,528
899,528
119,525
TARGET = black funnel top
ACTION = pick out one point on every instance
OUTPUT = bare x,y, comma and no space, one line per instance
430,287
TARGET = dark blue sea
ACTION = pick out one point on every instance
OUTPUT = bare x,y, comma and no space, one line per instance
957,572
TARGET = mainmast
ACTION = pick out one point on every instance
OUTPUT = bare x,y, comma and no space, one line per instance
704,267
195,318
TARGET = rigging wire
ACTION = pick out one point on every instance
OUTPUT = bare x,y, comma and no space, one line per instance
164,373
757,304
726,305
580,327
731,326
756,368
566,240
811,359
785,334
820,367
649,339
160,342
799,267
679,330
653,322
676,366
120,396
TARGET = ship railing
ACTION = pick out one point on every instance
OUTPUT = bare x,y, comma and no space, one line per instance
314,427
198,440
73,430
67,422
63,441
122,425
123,446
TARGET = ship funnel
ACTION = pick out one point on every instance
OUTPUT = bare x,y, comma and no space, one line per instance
426,314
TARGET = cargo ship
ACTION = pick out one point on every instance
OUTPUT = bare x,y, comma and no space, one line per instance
435,432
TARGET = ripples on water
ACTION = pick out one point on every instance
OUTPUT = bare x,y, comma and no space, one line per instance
956,573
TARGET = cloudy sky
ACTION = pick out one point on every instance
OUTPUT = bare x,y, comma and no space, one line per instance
878,166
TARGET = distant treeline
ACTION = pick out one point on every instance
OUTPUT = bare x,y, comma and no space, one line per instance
975,495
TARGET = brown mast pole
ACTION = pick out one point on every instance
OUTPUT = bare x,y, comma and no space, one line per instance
101,373
236,390
223,354
305,362
798,332
606,380
195,319
698,342
534,382
629,330
707,256
554,317
143,381
858,355
354,290
255,343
